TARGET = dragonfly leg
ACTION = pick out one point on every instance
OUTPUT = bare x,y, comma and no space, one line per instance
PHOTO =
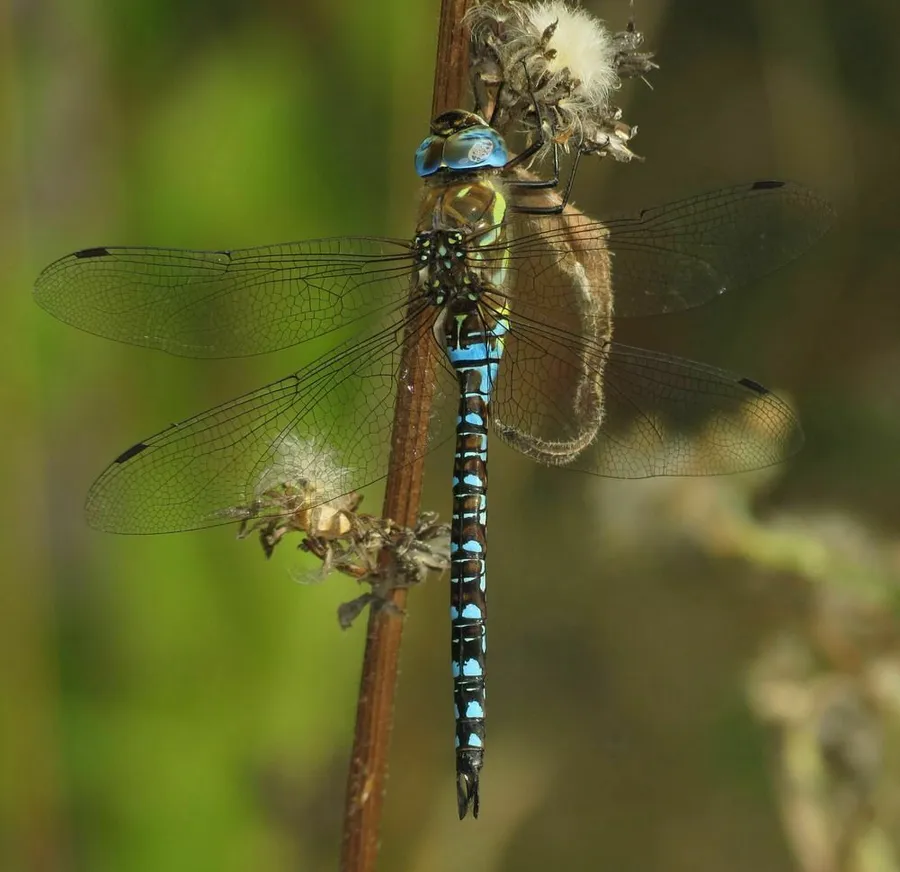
534,148
547,184
558,208
531,184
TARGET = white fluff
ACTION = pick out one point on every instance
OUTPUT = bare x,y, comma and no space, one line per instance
555,57
312,469
582,44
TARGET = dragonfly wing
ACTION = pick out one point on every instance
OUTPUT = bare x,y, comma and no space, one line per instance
639,413
323,431
683,254
664,415
226,303
566,395
674,257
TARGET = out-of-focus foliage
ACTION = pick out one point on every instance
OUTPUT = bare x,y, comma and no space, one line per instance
684,676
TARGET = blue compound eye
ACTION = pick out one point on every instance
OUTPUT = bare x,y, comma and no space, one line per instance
473,148
429,155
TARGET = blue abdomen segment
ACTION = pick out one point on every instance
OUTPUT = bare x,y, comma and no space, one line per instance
474,348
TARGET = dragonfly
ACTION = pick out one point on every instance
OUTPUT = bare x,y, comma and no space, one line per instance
515,297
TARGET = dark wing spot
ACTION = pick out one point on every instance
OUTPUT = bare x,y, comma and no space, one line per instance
130,452
765,184
754,386
92,252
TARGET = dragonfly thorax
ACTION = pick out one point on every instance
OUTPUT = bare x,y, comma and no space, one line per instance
444,274
458,247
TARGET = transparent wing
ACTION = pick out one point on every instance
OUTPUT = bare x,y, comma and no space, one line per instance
663,415
683,254
566,395
225,303
316,434
625,412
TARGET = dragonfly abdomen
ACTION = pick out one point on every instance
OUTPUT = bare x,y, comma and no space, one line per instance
474,347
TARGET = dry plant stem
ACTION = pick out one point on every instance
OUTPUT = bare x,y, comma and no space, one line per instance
375,706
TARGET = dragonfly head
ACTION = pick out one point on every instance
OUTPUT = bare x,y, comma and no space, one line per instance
460,142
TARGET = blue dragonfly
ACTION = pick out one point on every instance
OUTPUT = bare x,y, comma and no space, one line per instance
515,289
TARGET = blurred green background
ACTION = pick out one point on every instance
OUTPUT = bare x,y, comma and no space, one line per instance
668,659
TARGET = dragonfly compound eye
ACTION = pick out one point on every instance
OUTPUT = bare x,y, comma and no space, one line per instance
476,148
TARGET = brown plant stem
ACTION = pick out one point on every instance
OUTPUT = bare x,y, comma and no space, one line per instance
375,705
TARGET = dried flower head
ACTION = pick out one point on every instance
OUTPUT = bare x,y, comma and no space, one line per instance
559,61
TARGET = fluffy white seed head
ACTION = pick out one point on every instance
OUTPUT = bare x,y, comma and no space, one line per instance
581,44
554,60
304,468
